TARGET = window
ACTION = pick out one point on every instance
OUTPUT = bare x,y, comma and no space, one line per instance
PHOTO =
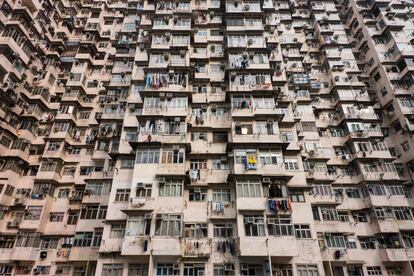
137,269
26,239
405,146
394,270
49,243
329,214
402,213
315,213
248,188
7,242
382,213
73,217
302,231
122,195
117,231
79,271
63,269
395,190
198,164
291,164
22,270
374,270
112,269
83,239
222,270
220,164
9,190
195,231
297,196
254,226
97,237
343,216
336,241
280,226
138,225
367,243
93,212
251,269
198,194
167,269
194,269
352,193
307,270
224,230
168,225
86,170
127,163
322,189
42,270
33,212
98,189
171,187
6,270
53,146
199,136
148,156
276,190
360,216
173,156
56,216
270,157
221,195
144,191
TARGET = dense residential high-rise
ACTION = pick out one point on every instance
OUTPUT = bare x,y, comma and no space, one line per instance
206,137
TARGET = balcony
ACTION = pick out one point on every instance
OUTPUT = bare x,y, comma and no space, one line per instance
171,169
253,247
207,176
27,254
251,203
132,246
83,253
346,255
196,247
229,211
175,204
165,246
268,170
252,111
392,254
285,246
111,245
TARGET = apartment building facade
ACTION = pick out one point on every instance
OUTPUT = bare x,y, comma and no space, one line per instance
206,137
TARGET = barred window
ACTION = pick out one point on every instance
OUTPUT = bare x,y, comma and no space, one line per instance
302,231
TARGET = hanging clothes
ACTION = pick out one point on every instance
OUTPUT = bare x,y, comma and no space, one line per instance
194,175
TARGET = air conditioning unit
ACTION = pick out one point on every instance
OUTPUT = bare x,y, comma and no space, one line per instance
140,185
249,220
266,180
43,254
18,201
